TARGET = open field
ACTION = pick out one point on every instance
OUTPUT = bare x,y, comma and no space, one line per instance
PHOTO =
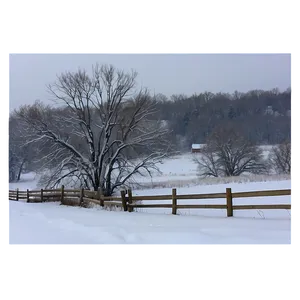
53,223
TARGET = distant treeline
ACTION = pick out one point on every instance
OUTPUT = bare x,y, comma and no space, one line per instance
264,117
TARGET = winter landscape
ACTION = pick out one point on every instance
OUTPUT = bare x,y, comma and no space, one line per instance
52,223
104,133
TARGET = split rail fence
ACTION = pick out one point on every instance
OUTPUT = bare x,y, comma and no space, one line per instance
128,202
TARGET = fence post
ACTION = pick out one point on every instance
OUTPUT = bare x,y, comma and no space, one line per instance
124,200
174,202
100,196
130,208
81,197
229,202
42,196
17,194
27,196
62,194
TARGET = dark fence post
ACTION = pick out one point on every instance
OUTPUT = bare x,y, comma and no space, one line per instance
124,200
229,202
174,202
81,197
62,194
27,195
100,196
130,208
42,196
17,194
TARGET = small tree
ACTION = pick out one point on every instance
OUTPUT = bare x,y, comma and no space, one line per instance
280,158
228,153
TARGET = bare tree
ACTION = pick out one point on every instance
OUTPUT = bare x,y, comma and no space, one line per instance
228,153
280,158
178,97
19,152
160,98
207,162
102,119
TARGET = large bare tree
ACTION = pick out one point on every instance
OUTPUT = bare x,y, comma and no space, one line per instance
228,153
101,120
280,158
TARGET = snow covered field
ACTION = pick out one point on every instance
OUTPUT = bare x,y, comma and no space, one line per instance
52,223
178,171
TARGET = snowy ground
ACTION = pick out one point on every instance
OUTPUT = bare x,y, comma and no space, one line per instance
51,223
28,181
178,171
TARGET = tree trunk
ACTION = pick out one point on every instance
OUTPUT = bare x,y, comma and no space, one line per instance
108,191
97,181
20,170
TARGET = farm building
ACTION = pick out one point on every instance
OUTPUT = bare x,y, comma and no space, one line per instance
196,148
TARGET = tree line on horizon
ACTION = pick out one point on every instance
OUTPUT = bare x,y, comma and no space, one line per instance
263,117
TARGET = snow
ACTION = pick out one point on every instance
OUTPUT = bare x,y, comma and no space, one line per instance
27,181
177,171
51,223
181,170
179,167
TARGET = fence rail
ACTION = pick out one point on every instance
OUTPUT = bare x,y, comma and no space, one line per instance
128,202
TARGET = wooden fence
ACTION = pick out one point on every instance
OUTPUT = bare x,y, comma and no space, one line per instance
228,205
36,195
74,197
128,202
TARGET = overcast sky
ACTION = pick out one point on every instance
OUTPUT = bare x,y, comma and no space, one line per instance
161,73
